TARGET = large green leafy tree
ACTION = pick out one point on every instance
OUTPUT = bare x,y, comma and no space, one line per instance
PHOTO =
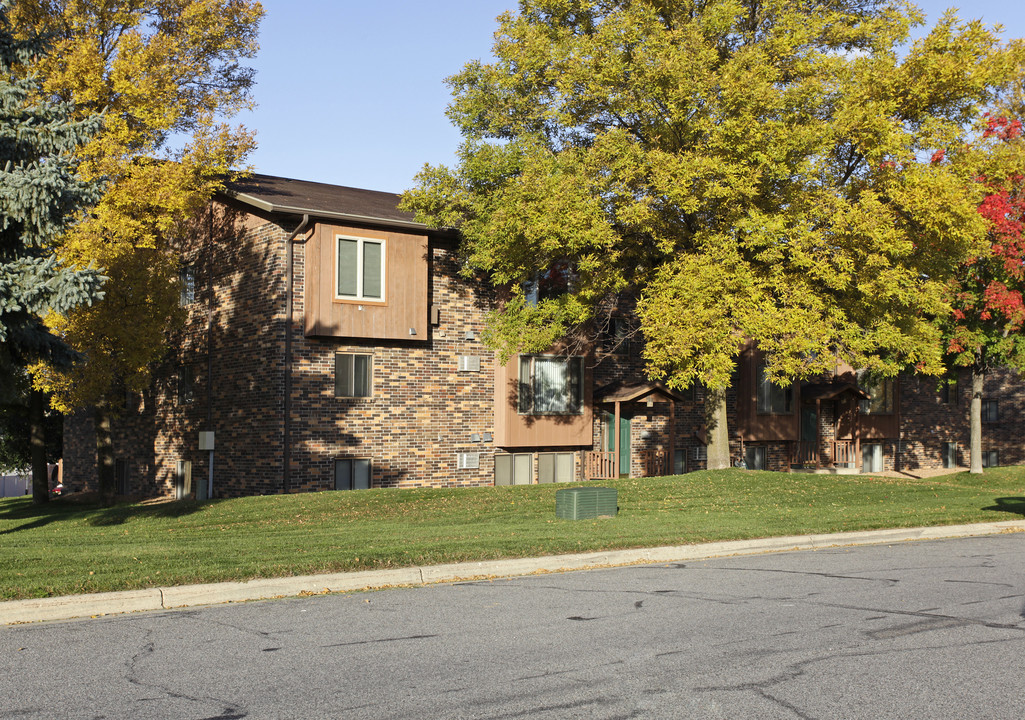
41,195
734,164
984,329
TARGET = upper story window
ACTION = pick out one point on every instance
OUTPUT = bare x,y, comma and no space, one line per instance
990,411
551,385
880,391
186,392
549,284
772,398
187,278
949,391
360,269
352,375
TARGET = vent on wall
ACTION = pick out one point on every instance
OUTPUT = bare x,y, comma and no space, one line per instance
468,461
469,363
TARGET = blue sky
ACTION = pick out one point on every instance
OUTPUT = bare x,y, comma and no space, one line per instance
352,92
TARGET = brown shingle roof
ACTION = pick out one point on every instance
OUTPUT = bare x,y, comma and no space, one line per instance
632,390
300,197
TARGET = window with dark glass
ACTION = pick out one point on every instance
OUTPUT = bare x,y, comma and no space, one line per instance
548,284
360,269
949,390
186,384
352,375
352,474
772,398
550,385
990,411
187,278
880,393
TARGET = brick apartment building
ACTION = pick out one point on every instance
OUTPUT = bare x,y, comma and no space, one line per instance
331,343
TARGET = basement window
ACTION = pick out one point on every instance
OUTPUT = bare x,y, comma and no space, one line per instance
352,474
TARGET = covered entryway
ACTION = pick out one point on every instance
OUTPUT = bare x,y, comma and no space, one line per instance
830,427
620,401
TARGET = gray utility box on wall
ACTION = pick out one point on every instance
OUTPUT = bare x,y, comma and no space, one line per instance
586,502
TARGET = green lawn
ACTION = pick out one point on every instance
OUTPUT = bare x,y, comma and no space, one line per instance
68,547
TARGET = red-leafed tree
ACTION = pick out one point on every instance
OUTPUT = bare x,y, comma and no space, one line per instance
985,329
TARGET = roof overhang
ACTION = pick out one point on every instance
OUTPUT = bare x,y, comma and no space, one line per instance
831,390
635,391
261,204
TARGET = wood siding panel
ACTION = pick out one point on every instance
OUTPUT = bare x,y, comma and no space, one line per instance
513,430
405,291
752,425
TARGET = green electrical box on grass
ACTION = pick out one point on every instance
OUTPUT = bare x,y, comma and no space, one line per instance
586,502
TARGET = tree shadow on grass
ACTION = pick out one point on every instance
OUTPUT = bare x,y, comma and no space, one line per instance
119,514
65,509
1015,505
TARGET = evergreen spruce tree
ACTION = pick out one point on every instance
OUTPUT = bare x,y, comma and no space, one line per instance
40,196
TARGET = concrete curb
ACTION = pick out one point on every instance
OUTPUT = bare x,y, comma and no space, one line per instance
77,606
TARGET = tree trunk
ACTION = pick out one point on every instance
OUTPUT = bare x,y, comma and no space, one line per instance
716,428
37,444
975,420
104,452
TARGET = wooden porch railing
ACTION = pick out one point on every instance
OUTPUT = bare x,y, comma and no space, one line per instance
803,453
601,466
836,452
656,462
843,452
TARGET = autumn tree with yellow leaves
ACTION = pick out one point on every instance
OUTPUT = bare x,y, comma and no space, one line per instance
737,165
168,75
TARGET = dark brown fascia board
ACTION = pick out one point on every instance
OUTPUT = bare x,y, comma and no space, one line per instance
329,215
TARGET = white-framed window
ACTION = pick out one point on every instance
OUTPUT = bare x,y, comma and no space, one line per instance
773,399
352,474
359,268
990,458
551,385
353,375
880,394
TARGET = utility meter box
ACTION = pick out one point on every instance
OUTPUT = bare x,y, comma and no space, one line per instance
206,439
586,502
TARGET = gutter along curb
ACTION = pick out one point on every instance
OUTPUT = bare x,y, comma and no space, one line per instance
111,603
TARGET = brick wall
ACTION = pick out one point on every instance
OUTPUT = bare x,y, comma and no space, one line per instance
423,410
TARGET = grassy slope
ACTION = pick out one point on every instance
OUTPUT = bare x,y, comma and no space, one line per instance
68,548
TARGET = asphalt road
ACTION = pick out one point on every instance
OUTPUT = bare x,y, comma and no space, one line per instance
911,630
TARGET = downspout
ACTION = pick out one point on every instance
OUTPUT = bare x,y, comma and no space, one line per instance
289,298
210,347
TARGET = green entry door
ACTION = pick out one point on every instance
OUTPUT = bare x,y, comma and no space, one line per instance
624,441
